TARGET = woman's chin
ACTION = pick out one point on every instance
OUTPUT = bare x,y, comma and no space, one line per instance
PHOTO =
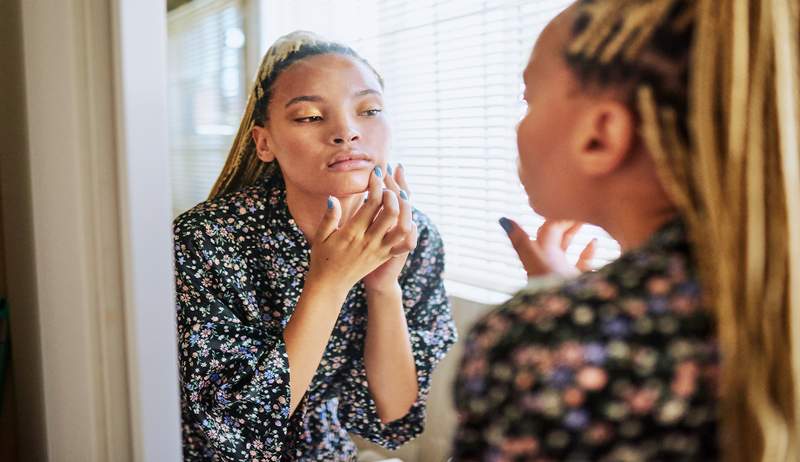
351,183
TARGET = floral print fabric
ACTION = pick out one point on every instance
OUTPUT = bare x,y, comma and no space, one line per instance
240,262
615,365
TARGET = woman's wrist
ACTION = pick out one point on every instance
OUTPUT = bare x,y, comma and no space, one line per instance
328,286
387,289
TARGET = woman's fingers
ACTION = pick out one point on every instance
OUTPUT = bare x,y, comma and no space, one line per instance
404,227
586,256
390,182
408,244
386,218
400,178
526,249
566,239
330,221
551,233
363,218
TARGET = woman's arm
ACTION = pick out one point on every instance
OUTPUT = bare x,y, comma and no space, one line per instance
388,359
307,333
340,257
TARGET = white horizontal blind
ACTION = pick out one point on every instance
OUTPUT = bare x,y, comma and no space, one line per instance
453,76
207,92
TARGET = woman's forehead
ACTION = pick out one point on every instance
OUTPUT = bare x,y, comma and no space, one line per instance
324,73
549,46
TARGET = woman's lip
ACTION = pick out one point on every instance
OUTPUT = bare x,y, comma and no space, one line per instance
352,164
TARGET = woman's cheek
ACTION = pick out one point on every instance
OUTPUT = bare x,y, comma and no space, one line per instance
378,139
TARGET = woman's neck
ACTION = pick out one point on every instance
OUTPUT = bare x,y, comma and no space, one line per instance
307,209
632,230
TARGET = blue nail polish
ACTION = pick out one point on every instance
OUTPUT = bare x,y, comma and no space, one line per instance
378,172
389,169
330,202
506,224
403,195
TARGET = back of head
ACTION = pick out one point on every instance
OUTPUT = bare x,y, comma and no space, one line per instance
716,88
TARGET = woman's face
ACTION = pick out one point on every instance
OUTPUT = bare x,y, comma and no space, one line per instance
325,125
546,136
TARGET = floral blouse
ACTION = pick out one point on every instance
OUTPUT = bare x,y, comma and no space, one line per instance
240,262
616,365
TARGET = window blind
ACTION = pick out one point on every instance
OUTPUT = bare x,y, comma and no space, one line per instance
206,91
453,71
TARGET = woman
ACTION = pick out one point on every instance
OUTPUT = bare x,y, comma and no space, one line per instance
672,124
305,309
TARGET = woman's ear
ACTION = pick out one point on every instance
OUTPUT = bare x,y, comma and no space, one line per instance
263,142
606,137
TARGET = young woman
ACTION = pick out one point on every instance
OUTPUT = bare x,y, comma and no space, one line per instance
673,124
310,297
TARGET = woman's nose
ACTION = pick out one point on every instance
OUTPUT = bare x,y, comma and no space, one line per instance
345,134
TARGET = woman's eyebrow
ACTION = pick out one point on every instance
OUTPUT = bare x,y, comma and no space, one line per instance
298,99
317,99
368,91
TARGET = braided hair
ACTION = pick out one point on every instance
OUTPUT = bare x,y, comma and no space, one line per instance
715,86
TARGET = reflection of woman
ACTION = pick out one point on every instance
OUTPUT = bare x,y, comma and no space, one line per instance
672,124
305,311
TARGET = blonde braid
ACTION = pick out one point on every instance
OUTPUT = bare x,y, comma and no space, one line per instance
735,176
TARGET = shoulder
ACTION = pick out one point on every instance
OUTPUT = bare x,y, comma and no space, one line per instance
641,301
219,218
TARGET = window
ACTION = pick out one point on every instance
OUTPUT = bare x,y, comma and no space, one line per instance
207,92
454,85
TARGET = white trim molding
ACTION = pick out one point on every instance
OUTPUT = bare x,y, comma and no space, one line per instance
86,217
146,214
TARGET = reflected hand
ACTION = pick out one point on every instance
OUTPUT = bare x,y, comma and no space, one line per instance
404,232
341,255
547,253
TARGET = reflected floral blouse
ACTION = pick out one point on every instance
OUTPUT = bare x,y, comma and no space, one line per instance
240,262
616,365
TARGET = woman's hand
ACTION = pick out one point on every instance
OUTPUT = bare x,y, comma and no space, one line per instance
547,253
405,233
341,256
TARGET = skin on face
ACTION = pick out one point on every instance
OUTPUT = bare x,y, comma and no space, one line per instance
324,110
571,142
544,137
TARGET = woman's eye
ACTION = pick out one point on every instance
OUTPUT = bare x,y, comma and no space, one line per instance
308,119
372,112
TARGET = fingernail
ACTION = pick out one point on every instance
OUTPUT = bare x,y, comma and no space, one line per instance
330,202
403,195
506,224
389,169
378,172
